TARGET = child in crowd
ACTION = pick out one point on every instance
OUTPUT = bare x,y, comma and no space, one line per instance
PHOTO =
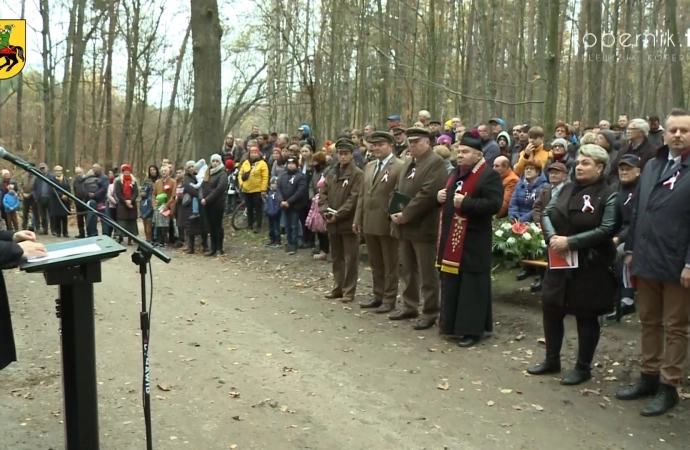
293,190
201,168
11,203
233,188
160,220
146,212
273,212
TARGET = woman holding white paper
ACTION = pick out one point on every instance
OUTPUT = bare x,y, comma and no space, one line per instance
582,218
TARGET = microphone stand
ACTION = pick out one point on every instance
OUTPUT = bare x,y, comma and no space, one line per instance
141,257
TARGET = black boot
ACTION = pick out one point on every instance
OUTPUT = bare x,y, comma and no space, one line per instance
190,245
536,286
581,373
522,275
549,365
665,400
211,252
646,386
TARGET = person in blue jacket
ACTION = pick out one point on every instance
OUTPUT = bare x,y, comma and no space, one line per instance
527,192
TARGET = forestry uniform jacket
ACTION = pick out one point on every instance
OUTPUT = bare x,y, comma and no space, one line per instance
372,205
340,192
421,179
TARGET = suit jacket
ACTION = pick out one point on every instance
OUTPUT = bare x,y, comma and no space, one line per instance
340,191
372,203
661,252
421,179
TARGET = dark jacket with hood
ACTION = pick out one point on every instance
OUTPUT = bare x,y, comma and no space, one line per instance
294,189
525,194
306,136
626,201
656,138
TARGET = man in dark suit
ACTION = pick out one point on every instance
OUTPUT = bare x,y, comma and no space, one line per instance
657,251
421,177
371,219
13,247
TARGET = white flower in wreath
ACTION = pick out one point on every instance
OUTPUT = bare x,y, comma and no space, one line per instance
526,236
543,243
506,226
499,233
511,241
533,226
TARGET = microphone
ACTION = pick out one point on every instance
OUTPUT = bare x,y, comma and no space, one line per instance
143,245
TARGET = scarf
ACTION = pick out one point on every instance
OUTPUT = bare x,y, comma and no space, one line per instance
453,226
127,186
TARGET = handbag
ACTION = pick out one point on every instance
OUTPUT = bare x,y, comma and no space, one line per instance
315,221
186,199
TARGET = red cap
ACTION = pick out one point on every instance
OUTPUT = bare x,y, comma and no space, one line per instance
229,164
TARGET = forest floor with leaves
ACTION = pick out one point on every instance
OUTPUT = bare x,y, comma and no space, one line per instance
247,354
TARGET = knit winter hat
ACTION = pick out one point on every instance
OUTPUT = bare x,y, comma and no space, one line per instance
199,164
560,141
216,157
189,164
610,137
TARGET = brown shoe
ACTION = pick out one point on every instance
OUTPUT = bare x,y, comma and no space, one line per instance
333,296
383,309
402,314
373,303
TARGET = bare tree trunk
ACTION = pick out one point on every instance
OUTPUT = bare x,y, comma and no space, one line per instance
48,84
552,59
595,68
173,95
676,62
64,87
206,36
132,40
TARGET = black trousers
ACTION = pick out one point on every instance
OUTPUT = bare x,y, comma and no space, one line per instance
324,243
214,213
308,236
43,213
81,220
59,225
29,204
255,208
588,332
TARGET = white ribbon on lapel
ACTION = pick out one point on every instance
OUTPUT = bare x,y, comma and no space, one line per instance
385,176
671,182
458,187
587,206
345,183
411,175
292,180
630,196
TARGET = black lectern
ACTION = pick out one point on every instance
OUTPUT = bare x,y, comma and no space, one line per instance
75,266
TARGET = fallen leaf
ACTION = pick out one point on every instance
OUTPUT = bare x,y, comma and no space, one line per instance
506,391
538,408
517,407
490,403
203,302
164,387
444,386
519,337
541,341
234,394
233,446
291,426
287,351
269,354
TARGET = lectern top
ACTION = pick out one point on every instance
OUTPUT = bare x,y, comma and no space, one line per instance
74,253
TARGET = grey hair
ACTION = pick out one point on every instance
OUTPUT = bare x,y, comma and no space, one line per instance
424,113
641,125
598,154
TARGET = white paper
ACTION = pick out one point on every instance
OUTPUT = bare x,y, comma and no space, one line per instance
65,252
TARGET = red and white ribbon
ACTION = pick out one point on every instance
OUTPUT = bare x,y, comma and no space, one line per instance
458,188
671,182
411,175
292,180
587,206
345,183
385,176
630,196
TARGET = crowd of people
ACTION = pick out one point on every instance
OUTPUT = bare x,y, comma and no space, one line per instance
611,200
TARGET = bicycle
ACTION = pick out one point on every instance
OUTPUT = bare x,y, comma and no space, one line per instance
238,218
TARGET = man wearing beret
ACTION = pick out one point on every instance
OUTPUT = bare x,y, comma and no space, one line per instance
338,204
421,177
371,220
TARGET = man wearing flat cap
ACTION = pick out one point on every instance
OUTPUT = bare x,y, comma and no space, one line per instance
400,146
469,200
416,226
338,204
629,169
371,220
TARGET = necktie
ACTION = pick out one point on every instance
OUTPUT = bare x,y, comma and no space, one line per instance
668,165
378,168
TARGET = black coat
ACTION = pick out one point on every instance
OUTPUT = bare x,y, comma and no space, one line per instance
659,235
626,201
485,202
215,190
58,206
646,151
293,189
123,212
589,290
196,226
10,255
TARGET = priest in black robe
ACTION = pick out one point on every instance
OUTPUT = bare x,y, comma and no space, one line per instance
472,196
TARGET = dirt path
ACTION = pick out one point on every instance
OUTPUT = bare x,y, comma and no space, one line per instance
254,357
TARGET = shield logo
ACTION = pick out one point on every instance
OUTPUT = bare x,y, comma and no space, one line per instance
12,47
